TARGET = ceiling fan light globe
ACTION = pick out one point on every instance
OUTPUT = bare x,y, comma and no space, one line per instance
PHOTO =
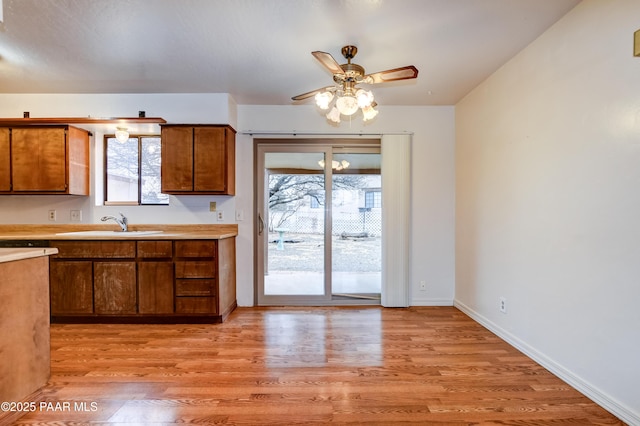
364,97
334,115
368,113
323,99
347,105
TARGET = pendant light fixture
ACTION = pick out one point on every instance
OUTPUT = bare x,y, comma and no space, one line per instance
122,135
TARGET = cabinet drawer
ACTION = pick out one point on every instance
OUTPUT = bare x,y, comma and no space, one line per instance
196,248
155,249
196,305
195,269
198,287
95,249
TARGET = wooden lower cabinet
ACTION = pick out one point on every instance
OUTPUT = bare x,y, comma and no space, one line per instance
196,268
114,288
71,287
143,281
155,287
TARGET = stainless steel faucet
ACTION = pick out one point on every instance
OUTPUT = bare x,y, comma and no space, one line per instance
122,221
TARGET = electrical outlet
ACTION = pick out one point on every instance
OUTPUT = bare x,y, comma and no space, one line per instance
423,285
75,215
220,215
52,215
503,305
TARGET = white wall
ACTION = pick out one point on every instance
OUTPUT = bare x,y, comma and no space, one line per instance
432,249
548,205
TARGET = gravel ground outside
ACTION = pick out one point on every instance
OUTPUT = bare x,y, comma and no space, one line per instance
305,252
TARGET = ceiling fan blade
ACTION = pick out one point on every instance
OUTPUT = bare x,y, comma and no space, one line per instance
328,62
313,92
403,73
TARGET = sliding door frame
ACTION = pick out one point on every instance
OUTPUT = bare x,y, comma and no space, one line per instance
306,145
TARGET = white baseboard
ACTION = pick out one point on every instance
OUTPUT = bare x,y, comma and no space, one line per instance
604,400
431,302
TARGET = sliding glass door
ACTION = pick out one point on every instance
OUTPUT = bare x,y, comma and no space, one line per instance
356,225
317,244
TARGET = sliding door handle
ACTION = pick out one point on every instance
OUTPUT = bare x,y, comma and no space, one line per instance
260,224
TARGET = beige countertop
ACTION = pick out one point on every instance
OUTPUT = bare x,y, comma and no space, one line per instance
11,254
145,232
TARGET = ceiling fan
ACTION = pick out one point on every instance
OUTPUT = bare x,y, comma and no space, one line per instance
346,77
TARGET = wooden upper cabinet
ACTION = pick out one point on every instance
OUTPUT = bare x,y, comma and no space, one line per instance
38,159
5,160
177,159
198,159
211,160
45,160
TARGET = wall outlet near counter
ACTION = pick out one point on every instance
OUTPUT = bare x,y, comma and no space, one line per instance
75,215
220,216
52,215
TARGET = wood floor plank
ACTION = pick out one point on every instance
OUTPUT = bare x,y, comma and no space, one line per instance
287,366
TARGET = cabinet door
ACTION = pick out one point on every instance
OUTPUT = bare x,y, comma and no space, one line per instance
155,287
78,161
71,287
114,286
177,159
38,158
5,160
210,154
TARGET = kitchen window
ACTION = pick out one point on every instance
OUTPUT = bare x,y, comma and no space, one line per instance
132,171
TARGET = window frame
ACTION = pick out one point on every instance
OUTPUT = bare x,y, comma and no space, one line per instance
371,193
139,137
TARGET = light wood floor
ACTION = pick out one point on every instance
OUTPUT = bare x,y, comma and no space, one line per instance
304,366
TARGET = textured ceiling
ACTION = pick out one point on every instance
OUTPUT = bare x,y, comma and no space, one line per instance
259,51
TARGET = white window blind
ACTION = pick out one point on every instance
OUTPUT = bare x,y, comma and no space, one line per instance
396,216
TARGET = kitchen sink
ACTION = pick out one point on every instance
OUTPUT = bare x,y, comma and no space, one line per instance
109,233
